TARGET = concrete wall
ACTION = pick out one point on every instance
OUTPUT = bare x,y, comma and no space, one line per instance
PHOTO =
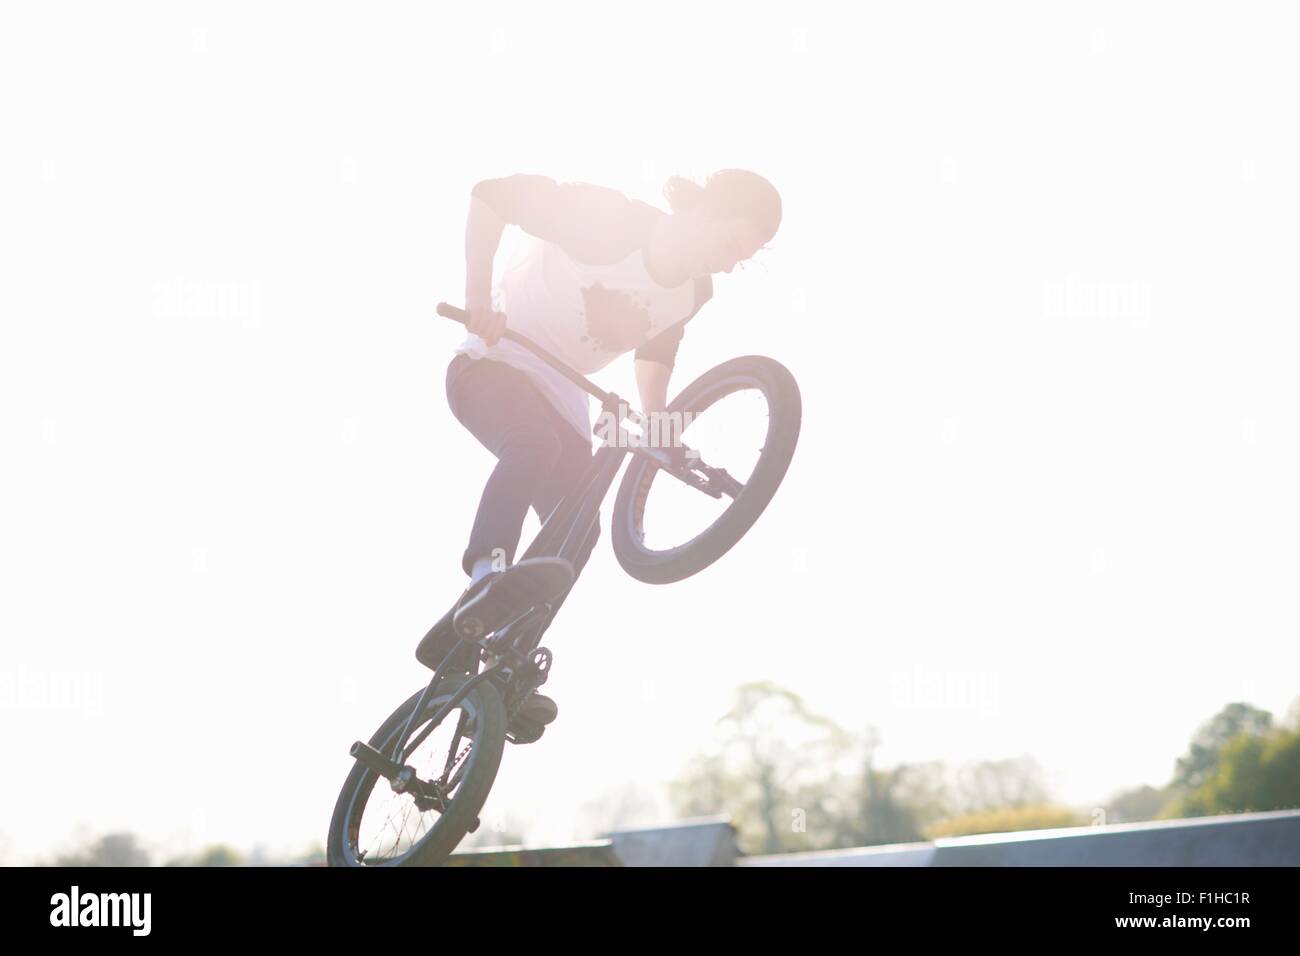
1245,839
600,853
895,854
709,841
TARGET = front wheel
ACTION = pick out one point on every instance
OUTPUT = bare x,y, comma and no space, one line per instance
742,418
456,760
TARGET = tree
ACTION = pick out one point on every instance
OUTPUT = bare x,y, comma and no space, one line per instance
1137,804
1008,820
112,849
881,805
1292,719
628,805
1252,772
1202,757
768,772
215,855
314,855
1000,784
218,855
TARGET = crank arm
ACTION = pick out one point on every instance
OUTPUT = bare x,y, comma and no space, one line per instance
714,482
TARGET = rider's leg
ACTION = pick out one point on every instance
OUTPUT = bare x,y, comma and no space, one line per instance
502,409
575,458
481,569
506,413
570,467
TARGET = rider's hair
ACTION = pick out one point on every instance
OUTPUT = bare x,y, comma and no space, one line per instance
729,194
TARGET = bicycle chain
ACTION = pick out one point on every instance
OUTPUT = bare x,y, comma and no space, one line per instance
461,756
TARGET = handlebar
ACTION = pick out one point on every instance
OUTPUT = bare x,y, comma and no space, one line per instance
609,401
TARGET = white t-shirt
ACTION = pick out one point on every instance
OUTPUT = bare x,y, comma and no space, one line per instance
585,315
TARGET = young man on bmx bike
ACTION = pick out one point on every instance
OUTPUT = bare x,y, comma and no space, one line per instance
610,275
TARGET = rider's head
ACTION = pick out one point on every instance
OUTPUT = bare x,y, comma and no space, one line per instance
731,216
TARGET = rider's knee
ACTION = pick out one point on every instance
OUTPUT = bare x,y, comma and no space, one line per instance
532,447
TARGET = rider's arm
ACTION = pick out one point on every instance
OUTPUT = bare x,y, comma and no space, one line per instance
482,236
652,382
483,231
655,359
654,365
592,223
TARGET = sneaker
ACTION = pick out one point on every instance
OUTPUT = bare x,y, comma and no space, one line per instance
435,645
529,722
498,598
537,708
536,711
525,732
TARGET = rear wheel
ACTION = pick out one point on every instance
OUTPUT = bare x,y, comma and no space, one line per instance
743,418
375,826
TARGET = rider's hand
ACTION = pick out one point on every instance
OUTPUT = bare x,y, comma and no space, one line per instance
486,323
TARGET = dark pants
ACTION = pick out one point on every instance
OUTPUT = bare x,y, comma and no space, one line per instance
540,456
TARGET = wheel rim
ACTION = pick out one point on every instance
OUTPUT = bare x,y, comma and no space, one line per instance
733,437
390,829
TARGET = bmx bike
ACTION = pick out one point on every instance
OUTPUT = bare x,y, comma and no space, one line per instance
679,508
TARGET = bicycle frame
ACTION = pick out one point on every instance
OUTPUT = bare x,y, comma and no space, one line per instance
563,534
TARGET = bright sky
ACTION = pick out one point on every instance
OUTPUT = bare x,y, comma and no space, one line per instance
1035,279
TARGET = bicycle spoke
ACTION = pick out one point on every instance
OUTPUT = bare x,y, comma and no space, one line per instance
728,438
402,824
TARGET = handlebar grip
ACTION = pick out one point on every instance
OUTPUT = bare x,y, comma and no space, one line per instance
453,313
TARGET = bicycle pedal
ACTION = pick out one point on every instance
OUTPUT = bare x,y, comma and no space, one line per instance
524,731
